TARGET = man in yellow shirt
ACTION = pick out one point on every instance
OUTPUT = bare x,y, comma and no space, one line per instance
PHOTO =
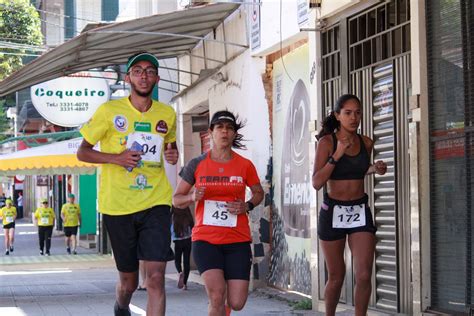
136,135
71,216
44,218
8,216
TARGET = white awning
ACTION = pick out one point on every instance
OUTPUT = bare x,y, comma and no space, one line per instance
55,158
165,35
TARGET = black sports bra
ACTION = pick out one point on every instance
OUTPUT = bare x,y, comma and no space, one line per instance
351,167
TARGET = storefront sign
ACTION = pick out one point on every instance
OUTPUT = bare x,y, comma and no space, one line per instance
70,101
303,11
255,24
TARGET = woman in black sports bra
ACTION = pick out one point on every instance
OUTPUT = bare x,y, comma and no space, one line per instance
342,161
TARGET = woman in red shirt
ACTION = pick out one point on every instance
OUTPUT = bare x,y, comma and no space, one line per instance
221,237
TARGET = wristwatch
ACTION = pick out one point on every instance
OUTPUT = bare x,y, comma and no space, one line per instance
332,161
250,206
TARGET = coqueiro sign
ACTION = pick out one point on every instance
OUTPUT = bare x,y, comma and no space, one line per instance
69,101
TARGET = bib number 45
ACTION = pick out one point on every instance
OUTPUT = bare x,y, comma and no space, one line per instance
221,215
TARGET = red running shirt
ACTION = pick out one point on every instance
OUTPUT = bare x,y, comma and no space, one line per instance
223,182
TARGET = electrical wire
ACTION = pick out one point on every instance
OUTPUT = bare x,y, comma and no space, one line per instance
281,42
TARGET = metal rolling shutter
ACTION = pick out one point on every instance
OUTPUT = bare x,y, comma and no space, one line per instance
450,49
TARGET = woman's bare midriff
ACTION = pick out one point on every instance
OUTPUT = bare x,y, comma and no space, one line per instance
346,190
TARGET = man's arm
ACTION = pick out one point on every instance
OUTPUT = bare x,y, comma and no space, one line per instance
128,158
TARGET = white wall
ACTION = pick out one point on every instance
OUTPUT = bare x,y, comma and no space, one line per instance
54,28
271,27
87,11
243,94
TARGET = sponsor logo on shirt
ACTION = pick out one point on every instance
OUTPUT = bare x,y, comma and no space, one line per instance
142,126
140,183
221,180
120,123
161,127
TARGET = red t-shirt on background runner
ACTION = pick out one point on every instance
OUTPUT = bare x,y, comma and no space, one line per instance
223,182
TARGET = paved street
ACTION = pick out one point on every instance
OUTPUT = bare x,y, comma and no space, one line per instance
63,284
84,284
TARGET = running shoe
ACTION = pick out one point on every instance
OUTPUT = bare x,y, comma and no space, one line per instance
41,252
7,253
121,311
11,248
48,254
68,250
74,252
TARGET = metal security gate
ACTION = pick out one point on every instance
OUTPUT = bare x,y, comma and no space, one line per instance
378,67
450,51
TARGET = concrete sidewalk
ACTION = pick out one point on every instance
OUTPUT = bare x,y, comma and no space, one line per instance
84,284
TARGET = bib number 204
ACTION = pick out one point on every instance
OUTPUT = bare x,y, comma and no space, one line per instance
148,149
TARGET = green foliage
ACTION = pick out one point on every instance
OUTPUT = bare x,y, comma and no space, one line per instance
4,121
305,304
19,23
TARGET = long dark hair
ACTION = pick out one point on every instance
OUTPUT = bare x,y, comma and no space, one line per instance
182,219
237,123
330,123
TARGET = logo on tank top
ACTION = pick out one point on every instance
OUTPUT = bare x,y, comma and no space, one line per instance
222,180
120,123
161,127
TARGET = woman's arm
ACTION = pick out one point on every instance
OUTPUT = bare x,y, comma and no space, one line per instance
378,167
257,194
322,168
183,196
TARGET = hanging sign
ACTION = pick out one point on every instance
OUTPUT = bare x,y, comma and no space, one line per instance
69,101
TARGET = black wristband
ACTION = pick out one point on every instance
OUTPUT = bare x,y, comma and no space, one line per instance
332,161
250,205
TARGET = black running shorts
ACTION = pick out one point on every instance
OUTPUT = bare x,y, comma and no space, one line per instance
234,259
9,225
325,230
144,235
70,230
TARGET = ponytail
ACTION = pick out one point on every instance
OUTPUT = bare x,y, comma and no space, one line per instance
330,123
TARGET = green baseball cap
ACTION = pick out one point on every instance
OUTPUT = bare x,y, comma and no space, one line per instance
8,201
71,196
132,60
44,201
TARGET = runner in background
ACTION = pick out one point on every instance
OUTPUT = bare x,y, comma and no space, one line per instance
8,215
182,223
71,216
221,237
44,218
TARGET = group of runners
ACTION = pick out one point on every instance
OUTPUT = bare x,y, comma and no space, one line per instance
138,134
44,218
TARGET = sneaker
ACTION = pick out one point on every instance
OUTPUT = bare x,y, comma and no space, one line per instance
74,252
121,311
41,252
7,253
48,254
11,248
181,280
68,250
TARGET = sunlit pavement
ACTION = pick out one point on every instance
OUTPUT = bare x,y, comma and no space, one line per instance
84,284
